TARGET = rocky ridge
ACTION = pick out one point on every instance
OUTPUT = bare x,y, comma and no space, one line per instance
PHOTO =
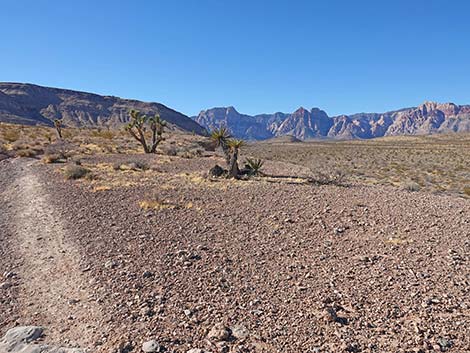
29,104
428,118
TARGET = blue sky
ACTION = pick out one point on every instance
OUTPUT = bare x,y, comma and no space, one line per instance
259,56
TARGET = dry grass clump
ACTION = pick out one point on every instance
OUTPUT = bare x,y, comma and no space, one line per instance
411,186
104,134
74,172
466,190
27,152
156,205
131,165
11,135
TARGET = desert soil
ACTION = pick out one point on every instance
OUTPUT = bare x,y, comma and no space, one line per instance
284,267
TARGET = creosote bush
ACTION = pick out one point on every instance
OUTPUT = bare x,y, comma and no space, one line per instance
74,172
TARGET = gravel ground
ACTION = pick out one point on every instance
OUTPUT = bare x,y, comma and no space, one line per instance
254,266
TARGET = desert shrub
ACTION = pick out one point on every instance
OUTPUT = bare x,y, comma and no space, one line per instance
106,134
169,150
27,152
61,148
131,165
74,171
51,158
11,135
466,190
191,153
68,134
336,177
411,186
207,145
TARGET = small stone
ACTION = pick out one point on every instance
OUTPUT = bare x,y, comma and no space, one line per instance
219,333
188,312
338,230
151,346
9,274
147,274
5,285
110,264
196,350
240,332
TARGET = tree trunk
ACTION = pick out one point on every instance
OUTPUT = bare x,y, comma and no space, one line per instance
234,171
226,151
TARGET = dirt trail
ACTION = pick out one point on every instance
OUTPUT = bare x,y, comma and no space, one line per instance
53,289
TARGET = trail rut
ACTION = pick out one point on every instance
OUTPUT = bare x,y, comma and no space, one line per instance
54,292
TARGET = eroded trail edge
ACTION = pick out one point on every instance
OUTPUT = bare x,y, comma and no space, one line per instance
54,292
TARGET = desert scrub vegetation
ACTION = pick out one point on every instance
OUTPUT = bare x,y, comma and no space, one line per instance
73,172
11,135
137,128
438,163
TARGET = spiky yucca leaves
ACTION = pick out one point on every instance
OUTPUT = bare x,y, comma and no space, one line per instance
137,128
254,166
234,145
221,136
58,124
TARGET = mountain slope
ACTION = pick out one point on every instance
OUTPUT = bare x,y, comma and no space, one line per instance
428,118
31,104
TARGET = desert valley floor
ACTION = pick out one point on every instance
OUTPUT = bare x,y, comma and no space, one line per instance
229,266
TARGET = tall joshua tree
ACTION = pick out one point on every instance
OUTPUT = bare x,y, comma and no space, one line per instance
234,146
58,124
137,128
221,136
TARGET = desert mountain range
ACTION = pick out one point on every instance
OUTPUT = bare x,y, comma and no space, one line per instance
428,118
31,104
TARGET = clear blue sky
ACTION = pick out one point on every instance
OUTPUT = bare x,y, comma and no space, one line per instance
259,56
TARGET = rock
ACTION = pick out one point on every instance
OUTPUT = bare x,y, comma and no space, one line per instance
338,230
216,171
9,274
196,350
240,332
110,264
147,274
5,285
151,346
22,334
219,333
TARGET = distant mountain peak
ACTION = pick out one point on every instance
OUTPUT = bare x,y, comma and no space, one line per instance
429,117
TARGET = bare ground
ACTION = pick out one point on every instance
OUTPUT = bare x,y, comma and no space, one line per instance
302,268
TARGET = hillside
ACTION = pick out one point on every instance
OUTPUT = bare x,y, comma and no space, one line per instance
30,104
428,118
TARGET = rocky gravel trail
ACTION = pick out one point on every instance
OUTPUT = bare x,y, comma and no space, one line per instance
231,266
49,287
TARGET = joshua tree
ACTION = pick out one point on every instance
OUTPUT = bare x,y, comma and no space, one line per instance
58,124
137,128
222,137
234,146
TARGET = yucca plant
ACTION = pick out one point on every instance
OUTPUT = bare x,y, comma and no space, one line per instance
234,145
221,137
254,166
137,128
